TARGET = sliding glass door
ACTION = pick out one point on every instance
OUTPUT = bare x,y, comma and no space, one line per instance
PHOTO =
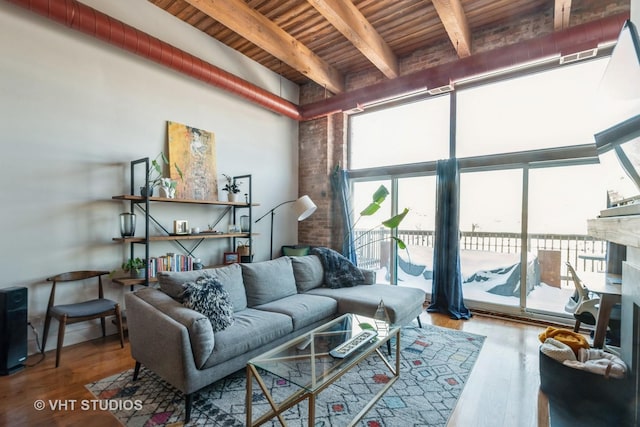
410,266
490,236
415,263
561,199
371,239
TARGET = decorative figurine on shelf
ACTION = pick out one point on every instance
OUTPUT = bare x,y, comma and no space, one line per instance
168,187
155,174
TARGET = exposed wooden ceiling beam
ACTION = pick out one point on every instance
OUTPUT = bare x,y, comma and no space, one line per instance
354,26
455,23
590,34
255,27
561,14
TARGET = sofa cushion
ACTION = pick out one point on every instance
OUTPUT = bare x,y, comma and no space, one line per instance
207,296
295,250
307,271
303,309
250,330
172,282
268,281
402,303
339,272
198,325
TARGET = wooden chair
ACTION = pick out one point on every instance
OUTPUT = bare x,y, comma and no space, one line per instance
582,304
80,311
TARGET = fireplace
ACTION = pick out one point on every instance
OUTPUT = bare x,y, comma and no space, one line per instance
624,231
630,328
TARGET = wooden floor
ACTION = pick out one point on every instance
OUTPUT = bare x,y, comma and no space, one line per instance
501,391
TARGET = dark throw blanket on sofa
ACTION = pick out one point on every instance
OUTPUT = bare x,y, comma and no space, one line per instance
339,272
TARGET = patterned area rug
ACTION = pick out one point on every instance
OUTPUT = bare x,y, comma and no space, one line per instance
435,364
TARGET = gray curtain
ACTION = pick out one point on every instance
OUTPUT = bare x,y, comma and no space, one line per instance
447,277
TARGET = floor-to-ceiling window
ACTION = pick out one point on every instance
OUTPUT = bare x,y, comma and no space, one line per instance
419,135
549,109
524,145
410,133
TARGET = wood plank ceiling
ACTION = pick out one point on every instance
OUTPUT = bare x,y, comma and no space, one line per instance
327,40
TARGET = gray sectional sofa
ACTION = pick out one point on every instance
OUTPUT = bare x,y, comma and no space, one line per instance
272,302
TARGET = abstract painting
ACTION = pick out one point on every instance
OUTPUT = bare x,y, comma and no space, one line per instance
194,151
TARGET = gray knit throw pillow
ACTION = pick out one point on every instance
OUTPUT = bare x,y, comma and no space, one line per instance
207,296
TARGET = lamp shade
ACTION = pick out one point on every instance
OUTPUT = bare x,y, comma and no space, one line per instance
304,207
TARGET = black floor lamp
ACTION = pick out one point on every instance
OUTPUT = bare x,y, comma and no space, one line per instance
303,207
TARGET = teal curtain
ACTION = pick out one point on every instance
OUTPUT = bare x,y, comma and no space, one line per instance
340,184
447,277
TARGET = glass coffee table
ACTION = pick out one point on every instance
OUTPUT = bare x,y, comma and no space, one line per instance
306,362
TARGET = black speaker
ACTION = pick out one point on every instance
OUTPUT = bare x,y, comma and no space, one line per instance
13,329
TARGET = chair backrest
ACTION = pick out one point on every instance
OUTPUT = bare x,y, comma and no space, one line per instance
580,287
75,276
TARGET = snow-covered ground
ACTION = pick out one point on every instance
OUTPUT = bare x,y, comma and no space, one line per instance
542,297
493,278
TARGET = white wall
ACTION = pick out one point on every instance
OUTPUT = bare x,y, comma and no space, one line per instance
74,111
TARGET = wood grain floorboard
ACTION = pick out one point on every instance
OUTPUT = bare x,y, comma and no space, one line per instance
502,390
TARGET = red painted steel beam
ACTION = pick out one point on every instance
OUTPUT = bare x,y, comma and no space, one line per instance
85,19
97,24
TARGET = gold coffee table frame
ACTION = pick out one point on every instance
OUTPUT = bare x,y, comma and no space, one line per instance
308,356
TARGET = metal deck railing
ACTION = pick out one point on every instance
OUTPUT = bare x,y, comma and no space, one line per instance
584,252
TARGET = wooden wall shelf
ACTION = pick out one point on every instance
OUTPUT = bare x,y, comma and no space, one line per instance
146,204
140,199
199,236
128,281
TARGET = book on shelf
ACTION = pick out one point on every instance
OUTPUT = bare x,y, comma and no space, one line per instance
170,262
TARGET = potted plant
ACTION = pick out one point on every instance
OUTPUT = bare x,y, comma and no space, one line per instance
364,239
231,187
155,174
135,267
392,223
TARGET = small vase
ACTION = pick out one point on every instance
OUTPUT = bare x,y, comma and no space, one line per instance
232,197
127,224
244,224
143,191
137,274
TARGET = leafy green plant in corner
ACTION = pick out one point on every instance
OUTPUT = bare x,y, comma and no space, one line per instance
379,196
155,169
133,264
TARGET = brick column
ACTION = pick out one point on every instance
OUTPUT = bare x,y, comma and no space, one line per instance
322,146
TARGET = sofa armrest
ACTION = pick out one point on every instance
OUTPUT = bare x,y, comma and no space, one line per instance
369,276
152,306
